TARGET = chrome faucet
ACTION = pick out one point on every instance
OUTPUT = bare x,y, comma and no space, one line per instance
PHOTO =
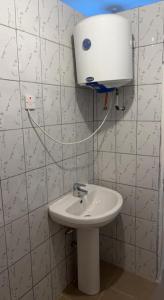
78,191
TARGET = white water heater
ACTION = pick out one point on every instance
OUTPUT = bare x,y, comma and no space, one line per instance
103,51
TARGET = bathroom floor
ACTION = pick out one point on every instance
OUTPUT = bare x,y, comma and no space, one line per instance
117,284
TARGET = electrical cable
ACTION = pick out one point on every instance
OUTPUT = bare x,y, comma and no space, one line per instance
76,142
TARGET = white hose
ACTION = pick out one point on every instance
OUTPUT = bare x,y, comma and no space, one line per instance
76,142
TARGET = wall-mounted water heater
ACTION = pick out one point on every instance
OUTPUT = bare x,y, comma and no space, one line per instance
103,51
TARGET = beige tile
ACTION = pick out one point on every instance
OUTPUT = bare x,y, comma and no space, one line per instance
116,284
109,274
72,293
158,291
135,286
115,295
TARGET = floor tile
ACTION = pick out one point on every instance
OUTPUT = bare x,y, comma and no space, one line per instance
72,293
117,284
115,295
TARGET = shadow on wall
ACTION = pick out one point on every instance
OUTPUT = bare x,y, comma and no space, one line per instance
74,60
111,250
109,275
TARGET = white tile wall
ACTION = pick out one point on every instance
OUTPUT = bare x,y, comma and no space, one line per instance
68,104
4,285
14,197
148,138
150,66
106,137
51,104
7,13
34,148
84,112
54,181
70,176
106,166
59,280
49,19
148,172
39,229
126,168
27,16
126,137
37,59
20,280
151,24
57,248
1,210
131,141
66,66
128,194
146,264
68,136
3,254
8,49
41,262
126,229
66,24
43,289
132,16
125,256
11,153
36,188
10,106
110,229
50,62
53,150
146,204
107,249
82,168
83,130
130,102
17,239
149,102
146,234
29,57
28,296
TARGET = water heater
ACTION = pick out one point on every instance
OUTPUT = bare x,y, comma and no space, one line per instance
103,51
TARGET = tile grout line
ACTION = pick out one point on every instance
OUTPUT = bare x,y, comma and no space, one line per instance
74,86
138,10
43,166
29,231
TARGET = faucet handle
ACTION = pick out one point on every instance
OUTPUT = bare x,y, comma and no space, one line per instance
78,185
81,184
77,189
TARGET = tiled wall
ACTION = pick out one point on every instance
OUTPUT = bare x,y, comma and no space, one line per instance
36,259
127,150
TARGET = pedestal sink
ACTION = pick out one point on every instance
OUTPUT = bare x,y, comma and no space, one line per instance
99,207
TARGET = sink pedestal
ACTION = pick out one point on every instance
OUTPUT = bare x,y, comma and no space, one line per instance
88,260
102,205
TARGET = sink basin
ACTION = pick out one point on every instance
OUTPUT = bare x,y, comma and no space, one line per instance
99,207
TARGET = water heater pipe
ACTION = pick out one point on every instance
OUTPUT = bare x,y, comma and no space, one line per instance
117,107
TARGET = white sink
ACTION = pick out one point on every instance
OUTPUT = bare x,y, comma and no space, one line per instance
99,207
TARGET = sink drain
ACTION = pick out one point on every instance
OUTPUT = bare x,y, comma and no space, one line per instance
87,216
